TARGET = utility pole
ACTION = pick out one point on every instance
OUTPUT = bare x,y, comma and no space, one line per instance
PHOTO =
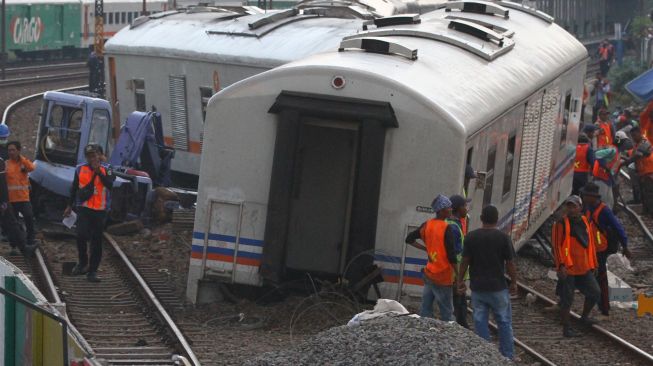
144,8
97,80
3,53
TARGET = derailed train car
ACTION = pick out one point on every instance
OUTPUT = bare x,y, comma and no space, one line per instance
177,60
323,165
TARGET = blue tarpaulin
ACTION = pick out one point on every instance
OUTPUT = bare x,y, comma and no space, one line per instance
642,87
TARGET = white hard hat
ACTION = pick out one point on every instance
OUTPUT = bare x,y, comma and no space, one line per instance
620,136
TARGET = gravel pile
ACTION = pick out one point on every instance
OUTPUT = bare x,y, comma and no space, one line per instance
389,341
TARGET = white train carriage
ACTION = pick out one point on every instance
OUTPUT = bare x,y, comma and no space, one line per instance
177,60
314,165
117,15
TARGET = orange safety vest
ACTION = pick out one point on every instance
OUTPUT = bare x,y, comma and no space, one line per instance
601,173
98,201
644,165
580,164
438,269
605,138
17,180
600,238
604,53
569,252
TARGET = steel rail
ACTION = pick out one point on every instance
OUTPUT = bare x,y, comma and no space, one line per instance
635,215
9,109
42,79
531,351
151,297
629,346
72,65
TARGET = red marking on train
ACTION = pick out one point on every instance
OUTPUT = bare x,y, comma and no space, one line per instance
228,259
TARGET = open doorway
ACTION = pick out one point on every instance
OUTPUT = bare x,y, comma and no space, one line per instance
320,207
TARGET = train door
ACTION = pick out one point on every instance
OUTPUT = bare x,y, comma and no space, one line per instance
57,13
325,185
321,196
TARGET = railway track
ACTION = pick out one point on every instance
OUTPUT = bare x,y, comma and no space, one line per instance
43,79
11,71
538,332
121,318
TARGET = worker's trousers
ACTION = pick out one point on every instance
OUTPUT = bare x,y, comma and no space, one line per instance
442,295
90,224
11,229
646,190
498,302
25,209
602,279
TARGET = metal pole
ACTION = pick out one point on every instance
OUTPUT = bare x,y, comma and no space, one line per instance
3,53
144,8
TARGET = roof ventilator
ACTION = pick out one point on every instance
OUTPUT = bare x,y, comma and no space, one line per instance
477,31
273,18
481,50
501,30
526,9
394,20
378,45
479,7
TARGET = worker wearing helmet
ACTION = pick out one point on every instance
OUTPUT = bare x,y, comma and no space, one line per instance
5,132
90,194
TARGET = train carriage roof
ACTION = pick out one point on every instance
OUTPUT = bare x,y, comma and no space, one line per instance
469,79
249,35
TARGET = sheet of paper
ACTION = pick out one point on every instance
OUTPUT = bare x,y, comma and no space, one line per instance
70,220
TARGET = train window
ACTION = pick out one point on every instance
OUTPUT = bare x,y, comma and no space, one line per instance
135,14
510,160
100,127
104,18
123,17
110,18
489,178
61,141
205,93
139,94
130,17
565,118
468,162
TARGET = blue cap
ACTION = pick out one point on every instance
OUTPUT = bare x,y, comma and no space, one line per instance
589,128
440,203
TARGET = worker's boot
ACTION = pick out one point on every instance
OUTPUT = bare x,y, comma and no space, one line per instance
92,277
568,332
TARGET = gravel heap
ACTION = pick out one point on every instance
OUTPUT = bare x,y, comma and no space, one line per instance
389,341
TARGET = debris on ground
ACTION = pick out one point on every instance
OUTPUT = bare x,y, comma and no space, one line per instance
402,340
125,228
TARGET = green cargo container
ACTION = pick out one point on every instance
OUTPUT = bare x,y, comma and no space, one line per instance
37,28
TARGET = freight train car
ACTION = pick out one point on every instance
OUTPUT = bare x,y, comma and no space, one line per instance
323,165
65,28
177,60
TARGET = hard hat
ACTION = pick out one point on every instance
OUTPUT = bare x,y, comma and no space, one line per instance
620,136
4,131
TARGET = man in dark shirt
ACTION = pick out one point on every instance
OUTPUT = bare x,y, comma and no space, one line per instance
487,252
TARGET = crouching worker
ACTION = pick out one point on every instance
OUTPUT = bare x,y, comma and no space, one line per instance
90,195
575,259
488,252
440,269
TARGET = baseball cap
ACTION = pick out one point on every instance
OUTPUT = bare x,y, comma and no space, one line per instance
458,201
574,199
90,149
589,128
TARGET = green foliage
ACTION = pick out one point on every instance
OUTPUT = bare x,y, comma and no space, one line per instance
619,76
640,26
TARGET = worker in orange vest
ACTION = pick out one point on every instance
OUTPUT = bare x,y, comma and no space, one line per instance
583,162
645,119
575,260
642,156
441,266
605,132
606,56
18,186
609,234
90,194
